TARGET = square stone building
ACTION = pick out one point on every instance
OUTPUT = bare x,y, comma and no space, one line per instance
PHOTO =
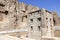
40,23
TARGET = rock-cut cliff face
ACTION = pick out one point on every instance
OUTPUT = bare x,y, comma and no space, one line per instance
7,14
11,13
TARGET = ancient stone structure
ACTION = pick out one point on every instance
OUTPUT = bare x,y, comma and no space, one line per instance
16,15
40,23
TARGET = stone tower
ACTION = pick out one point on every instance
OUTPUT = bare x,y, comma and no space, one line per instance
40,23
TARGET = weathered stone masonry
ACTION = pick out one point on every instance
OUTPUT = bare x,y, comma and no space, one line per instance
16,15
